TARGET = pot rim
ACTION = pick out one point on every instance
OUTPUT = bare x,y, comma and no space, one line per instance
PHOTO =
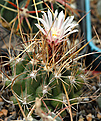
88,25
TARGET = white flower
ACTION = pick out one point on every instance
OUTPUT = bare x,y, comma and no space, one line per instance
56,28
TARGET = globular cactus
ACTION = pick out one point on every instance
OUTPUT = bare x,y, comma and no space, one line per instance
46,67
6,14
34,76
27,12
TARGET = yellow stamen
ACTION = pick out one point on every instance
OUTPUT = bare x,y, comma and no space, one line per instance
55,33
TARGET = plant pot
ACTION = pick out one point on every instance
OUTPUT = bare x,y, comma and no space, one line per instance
92,46
81,7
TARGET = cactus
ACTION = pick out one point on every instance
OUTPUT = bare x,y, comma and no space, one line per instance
10,13
45,67
44,83
43,78
6,14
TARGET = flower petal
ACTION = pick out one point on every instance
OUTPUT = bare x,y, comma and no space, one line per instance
56,13
73,31
60,19
41,29
44,23
46,18
71,19
67,22
70,28
49,17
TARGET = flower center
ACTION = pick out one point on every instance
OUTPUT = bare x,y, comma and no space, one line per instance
55,33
